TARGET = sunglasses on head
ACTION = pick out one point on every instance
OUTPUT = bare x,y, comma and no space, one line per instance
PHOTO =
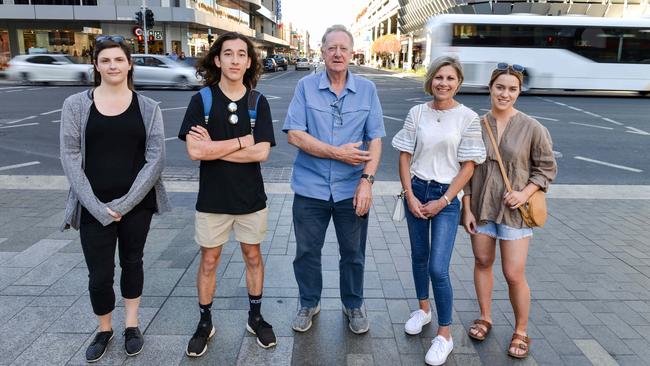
514,67
118,39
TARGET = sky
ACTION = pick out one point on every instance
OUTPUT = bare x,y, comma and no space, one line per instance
317,15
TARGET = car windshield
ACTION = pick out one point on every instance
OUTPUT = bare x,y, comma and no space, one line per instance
75,60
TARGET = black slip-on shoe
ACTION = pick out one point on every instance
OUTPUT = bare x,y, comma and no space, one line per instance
133,341
97,348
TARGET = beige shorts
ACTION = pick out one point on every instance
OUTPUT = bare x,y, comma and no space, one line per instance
212,230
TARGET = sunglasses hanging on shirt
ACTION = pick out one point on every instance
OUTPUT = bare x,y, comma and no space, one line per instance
232,108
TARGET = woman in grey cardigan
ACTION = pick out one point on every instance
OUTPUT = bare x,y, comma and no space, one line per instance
112,152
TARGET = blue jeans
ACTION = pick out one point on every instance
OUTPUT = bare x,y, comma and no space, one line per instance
430,259
310,220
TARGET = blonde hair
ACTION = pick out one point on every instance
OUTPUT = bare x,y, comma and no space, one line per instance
438,64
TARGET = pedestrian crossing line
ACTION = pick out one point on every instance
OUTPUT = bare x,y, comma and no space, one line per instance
20,120
612,121
622,167
23,125
593,114
50,112
7,167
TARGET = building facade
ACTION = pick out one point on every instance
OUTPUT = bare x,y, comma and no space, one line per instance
180,26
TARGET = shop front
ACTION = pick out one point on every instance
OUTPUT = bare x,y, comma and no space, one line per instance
5,53
73,42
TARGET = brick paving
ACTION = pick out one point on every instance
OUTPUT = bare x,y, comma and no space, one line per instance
589,271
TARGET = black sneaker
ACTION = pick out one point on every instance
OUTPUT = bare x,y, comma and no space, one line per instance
133,341
199,342
97,348
263,331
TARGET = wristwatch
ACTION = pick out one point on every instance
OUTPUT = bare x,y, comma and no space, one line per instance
370,178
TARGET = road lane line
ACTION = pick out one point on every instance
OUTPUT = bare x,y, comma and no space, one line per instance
545,118
562,104
19,165
271,97
13,87
612,121
275,120
15,90
56,121
637,131
575,108
393,118
171,138
50,112
171,109
593,114
588,125
23,125
608,164
20,120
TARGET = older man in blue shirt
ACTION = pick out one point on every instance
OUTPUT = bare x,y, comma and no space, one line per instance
336,122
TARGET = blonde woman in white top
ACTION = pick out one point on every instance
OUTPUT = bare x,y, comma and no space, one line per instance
439,146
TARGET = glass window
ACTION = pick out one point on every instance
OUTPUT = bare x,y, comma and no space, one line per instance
152,61
21,2
138,61
44,60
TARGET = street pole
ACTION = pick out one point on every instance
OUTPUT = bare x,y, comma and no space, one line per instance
144,26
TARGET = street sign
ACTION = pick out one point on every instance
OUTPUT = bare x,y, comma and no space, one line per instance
137,31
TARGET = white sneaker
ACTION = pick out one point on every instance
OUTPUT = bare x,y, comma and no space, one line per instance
417,320
439,350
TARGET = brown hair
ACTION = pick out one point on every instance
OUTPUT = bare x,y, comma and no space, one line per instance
212,73
509,71
99,47
438,64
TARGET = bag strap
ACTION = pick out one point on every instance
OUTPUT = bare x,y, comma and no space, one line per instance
416,123
496,151
206,98
523,211
253,101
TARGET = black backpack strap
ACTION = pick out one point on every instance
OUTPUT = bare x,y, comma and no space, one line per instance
253,101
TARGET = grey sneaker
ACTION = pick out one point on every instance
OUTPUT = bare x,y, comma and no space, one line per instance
358,320
302,321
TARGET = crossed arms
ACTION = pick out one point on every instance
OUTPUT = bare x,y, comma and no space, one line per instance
236,150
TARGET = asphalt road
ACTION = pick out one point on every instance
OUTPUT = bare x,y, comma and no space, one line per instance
598,138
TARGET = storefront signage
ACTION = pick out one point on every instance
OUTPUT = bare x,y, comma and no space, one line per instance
157,35
90,30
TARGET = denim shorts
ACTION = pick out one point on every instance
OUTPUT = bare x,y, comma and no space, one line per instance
504,232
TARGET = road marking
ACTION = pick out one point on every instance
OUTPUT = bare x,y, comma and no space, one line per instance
50,112
271,97
56,121
34,89
13,87
609,164
557,154
411,99
593,114
171,109
393,118
594,126
545,118
558,103
575,108
23,125
637,131
20,120
275,120
612,121
171,138
279,76
19,165
15,90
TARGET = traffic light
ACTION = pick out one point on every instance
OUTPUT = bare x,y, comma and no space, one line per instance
210,39
138,18
149,17
152,39
140,38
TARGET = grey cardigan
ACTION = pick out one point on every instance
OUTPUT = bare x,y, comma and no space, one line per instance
74,118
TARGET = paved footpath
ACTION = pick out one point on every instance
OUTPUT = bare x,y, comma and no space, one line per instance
589,271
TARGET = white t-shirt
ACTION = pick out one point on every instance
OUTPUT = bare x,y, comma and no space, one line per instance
443,140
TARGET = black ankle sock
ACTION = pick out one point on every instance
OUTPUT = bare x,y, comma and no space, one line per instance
255,303
206,315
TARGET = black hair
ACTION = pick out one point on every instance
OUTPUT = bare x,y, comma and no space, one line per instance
212,73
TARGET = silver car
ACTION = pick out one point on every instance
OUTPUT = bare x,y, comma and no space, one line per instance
303,63
157,70
47,68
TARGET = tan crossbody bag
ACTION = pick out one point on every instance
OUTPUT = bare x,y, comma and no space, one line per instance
534,211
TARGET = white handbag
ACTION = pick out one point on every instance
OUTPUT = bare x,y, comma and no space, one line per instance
399,212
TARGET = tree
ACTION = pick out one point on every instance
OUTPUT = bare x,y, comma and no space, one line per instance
386,45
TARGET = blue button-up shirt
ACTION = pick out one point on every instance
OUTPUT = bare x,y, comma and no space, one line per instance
353,116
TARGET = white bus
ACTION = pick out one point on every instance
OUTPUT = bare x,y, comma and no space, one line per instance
558,52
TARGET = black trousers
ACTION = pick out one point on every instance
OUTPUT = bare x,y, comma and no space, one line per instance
99,242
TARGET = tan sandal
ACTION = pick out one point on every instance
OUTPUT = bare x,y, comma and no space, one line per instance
523,345
479,333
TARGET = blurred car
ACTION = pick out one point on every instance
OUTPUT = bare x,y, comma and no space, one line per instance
189,61
303,64
270,64
47,68
281,61
158,70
